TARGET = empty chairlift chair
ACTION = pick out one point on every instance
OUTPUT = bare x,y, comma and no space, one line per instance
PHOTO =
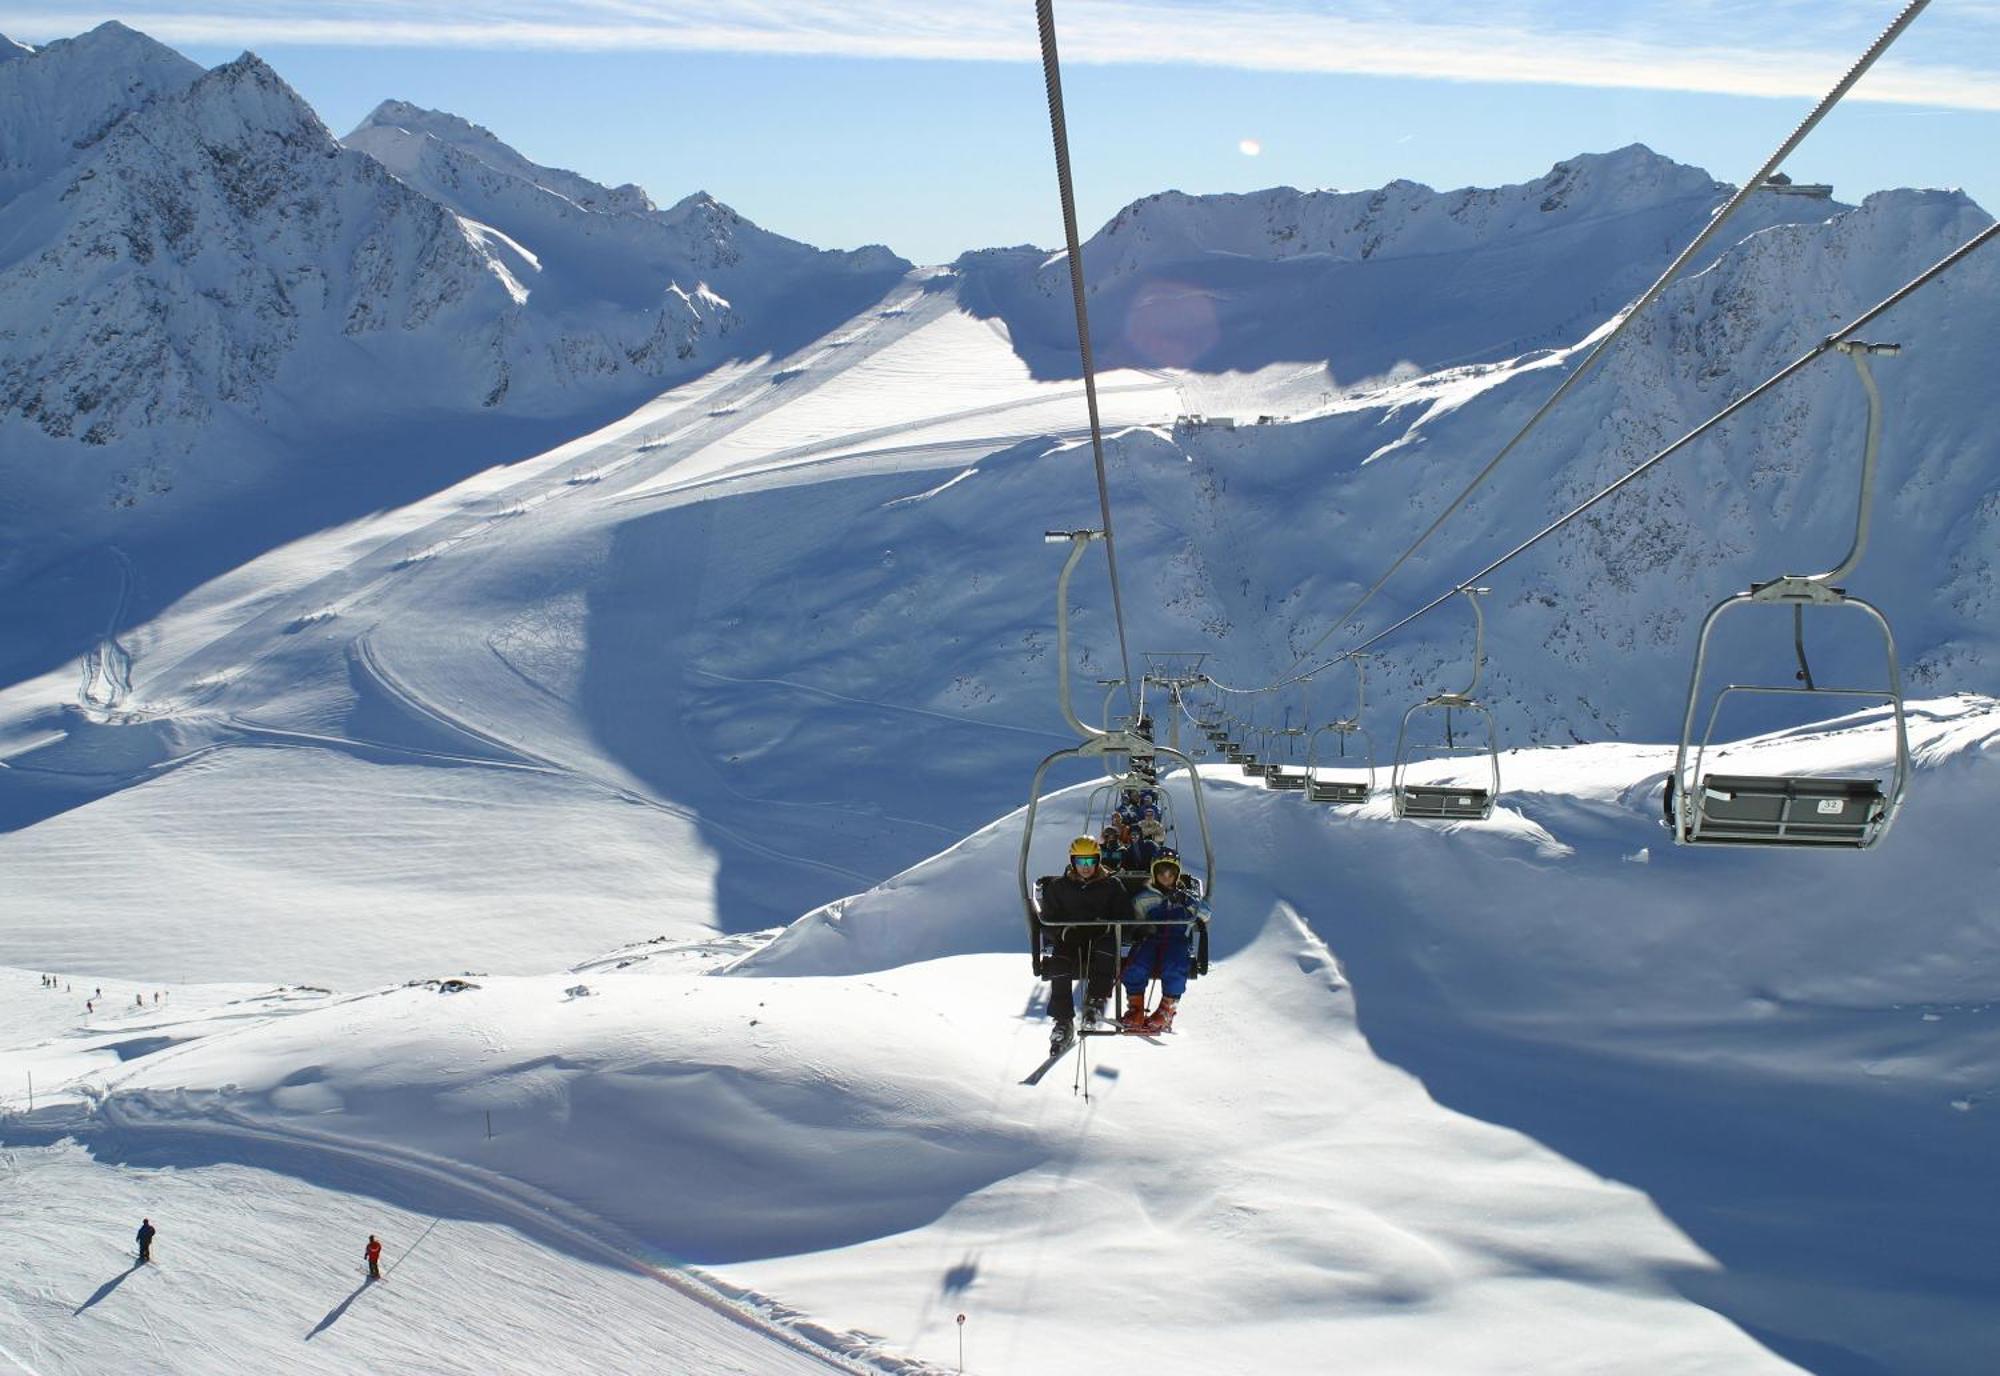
1451,802
1290,773
1244,744
1801,810
1343,791
1254,766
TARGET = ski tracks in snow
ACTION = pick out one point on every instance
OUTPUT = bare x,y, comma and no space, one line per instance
107,668
520,757
545,1218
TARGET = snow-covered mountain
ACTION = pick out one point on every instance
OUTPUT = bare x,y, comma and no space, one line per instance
218,316
1405,334
393,685
1364,282
638,289
64,98
213,239
181,245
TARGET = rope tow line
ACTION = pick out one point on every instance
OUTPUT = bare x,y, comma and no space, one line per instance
1059,132
1687,255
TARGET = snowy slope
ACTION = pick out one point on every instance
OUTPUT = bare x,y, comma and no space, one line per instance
219,307
1347,1141
475,1296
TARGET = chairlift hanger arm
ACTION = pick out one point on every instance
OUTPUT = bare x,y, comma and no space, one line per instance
1857,353
1473,595
1079,541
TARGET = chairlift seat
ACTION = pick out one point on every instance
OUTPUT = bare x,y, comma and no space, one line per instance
1444,803
1776,809
1336,791
1277,777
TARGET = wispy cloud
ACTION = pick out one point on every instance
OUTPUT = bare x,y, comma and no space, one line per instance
1732,47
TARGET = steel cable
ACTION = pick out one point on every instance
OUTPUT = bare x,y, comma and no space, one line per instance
1687,255
1059,131
1846,331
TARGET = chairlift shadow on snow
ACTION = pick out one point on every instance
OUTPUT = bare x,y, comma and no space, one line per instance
959,1278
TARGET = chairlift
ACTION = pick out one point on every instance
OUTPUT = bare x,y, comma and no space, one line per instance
1797,809
1105,747
1276,775
1107,799
1253,764
1286,740
1232,742
1450,802
1340,791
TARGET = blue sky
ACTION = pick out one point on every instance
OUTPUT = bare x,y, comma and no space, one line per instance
923,126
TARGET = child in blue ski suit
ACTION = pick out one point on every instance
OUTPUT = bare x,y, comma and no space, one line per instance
1167,951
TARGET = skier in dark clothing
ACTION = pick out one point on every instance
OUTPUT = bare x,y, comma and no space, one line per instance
374,1254
1079,909
146,1231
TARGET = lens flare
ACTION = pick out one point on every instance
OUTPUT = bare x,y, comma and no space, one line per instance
1250,148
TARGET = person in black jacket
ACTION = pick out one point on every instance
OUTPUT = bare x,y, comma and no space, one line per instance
1080,908
146,1231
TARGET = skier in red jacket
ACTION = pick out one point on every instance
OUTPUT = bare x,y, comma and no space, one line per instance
374,1255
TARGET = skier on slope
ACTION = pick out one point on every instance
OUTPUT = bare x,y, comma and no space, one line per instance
146,1231
1079,908
1167,950
373,1251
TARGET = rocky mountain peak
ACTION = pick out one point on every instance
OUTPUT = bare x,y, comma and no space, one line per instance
62,98
246,98
396,132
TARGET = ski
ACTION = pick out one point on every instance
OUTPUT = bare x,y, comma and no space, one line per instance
1035,1076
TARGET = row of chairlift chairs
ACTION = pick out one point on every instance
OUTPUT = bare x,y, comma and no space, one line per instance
1252,748
1701,807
